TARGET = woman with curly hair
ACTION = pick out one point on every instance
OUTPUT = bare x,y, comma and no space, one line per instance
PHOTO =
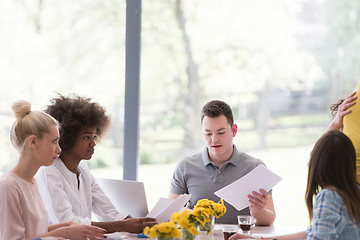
69,190
35,135
332,193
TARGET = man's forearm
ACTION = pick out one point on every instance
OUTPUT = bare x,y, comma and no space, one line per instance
264,216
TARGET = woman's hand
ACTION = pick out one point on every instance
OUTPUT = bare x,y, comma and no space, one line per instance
137,225
79,232
240,236
342,110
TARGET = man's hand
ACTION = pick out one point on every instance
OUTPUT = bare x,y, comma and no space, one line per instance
262,207
258,200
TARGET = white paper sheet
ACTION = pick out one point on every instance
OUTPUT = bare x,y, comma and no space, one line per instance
237,192
165,207
159,206
113,236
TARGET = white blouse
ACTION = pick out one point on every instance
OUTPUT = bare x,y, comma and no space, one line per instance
66,201
23,214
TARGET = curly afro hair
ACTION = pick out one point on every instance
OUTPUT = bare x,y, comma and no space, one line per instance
75,113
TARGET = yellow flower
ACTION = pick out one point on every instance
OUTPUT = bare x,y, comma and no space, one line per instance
188,220
165,229
193,230
201,215
146,230
212,208
181,218
153,233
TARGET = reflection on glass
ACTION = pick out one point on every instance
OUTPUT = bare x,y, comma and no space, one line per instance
246,223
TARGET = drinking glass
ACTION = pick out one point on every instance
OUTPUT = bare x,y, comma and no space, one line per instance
246,223
229,230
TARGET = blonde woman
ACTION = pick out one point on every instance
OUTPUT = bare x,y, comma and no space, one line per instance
23,215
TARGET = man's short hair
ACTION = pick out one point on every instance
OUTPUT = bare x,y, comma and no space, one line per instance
217,108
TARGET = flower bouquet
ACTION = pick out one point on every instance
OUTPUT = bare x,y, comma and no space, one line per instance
189,221
163,231
211,209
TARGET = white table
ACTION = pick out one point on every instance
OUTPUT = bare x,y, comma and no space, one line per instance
276,230
265,231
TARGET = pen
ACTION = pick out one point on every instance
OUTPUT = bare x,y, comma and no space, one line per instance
141,235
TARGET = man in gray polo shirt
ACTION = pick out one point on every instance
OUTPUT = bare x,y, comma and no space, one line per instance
218,165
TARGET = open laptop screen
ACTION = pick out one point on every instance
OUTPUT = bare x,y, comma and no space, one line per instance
126,196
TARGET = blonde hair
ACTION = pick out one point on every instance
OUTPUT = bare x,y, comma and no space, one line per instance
28,123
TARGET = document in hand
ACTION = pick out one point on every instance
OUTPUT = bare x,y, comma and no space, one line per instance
165,207
237,192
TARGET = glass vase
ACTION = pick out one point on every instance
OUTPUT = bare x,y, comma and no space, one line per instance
186,235
208,227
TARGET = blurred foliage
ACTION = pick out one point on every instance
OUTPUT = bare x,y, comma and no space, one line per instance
335,49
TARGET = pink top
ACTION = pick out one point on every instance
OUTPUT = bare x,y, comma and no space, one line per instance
22,210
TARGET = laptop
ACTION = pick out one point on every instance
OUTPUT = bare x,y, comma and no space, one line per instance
127,196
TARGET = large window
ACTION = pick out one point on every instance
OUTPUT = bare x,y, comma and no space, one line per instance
65,47
278,63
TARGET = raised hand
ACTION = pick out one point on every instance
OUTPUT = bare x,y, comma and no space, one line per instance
342,110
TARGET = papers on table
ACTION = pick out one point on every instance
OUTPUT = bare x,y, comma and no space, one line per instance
237,192
113,236
166,206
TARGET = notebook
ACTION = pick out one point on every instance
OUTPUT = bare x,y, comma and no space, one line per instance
127,196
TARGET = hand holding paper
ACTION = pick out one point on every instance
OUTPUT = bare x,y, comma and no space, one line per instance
237,192
165,207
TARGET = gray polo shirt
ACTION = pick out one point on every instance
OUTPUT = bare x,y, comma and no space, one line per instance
200,177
